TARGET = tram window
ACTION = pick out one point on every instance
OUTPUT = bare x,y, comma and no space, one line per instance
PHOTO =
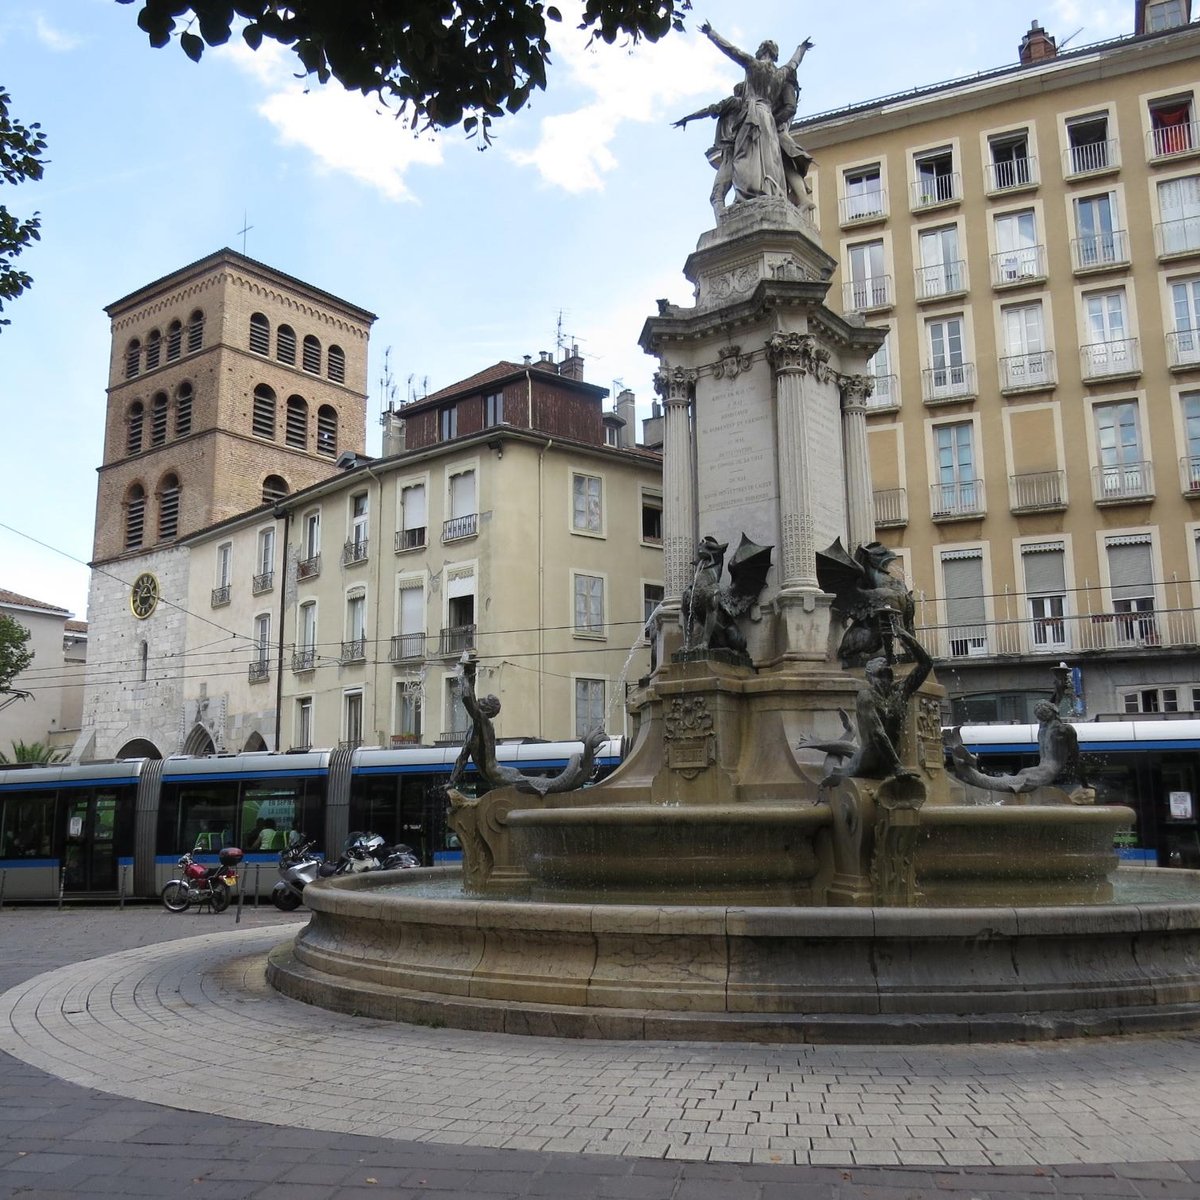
201,815
27,826
272,810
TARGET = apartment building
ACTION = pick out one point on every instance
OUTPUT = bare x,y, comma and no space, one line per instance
1030,238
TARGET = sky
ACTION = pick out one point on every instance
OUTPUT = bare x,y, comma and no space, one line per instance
566,230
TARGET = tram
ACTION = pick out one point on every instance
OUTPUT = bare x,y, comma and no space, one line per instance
117,828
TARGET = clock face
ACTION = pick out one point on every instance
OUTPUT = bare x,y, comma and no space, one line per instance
143,596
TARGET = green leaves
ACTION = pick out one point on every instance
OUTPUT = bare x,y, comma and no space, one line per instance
22,148
14,657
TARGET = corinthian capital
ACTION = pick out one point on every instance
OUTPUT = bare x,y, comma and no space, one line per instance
798,353
674,384
856,390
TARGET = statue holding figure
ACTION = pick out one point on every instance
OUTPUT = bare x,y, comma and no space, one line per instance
765,160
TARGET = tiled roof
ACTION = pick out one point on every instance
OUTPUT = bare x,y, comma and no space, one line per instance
15,598
487,375
75,626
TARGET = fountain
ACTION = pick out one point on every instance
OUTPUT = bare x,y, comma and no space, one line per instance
752,871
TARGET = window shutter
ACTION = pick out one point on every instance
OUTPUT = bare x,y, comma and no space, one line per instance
414,507
1045,569
964,590
1130,569
462,494
412,608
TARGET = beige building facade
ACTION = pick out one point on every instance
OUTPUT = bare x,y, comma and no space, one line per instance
1030,238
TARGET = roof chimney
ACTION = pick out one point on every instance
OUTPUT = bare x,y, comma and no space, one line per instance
1037,46
571,366
626,408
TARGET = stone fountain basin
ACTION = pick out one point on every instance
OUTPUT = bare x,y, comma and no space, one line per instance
377,948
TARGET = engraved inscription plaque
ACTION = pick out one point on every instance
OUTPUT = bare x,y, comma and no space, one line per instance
735,441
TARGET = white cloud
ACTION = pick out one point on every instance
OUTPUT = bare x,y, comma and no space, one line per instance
54,39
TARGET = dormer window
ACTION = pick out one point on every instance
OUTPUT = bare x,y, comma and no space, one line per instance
448,423
1160,15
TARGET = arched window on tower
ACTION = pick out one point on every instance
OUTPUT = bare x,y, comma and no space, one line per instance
135,516
153,349
195,331
296,433
183,410
337,364
312,355
275,487
158,419
260,334
327,430
285,345
133,431
168,507
133,359
174,340
262,423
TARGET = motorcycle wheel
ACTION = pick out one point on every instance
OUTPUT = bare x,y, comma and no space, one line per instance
285,901
175,896
220,896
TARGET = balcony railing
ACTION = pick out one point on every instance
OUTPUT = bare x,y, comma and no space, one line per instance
954,501
1037,491
260,671
936,189
1092,157
263,583
1168,140
1189,475
309,568
1110,630
1011,173
863,295
886,392
410,539
891,507
1011,268
1121,484
1177,237
1027,372
455,639
1097,251
1183,348
944,279
460,527
354,551
220,595
305,659
863,206
1107,360
943,385
407,646
354,650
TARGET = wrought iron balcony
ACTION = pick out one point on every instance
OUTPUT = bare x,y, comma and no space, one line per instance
305,659
891,508
863,207
455,639
1092,157
309,568
1011,268
1110,360
944,279
944,385
1127,483
1037,491
410,539
936,189
957,501
220,595
260,671
1177,237
1183,348
1167,141
1099,251
1011,174
1027,372
263,583
354,650
406,646
354,551
460,527
865,295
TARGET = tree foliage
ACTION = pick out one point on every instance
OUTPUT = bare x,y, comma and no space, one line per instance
442,62
14,656
21,151
33,752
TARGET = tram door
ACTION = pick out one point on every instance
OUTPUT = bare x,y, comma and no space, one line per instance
1173,784
89,853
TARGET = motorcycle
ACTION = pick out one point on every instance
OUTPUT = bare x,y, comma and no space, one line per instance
298,867
203,885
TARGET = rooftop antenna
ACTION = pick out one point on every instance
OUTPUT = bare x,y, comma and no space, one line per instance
245,229
1063,44
387,383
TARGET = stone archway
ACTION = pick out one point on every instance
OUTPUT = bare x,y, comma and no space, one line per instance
255,742
139,748
199,742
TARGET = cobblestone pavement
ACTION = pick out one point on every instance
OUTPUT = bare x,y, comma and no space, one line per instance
169,1068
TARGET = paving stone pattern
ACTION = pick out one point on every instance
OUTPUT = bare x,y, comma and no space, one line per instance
169,1068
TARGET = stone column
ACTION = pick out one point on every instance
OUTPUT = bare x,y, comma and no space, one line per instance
676,386
860,499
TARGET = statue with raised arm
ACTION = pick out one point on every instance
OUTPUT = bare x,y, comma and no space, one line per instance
729,114
766,160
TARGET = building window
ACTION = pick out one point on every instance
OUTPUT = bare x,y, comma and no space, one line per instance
168,507
1151,700
1163,14
612,434
1046,593
274,488
304,723
587,515
958,490
589,605
1172,129
352,719
305,658
311,355
133,359
327,430
260,666
310,550
493,409
1179,215
1191,433
174,340
935,179
448,423
868,286
1123,471
413,518
949,375
459,633
863,196
653,595
285,345
265,575
1089,147
1010,163
336,360
966,610
153,349
354,648
589,706
135,516
195,331
262,422
1131,583
1026,361
224,579
885,392
1018,254
1098,241
183,410
457,721
410,609
296,423
942,270
133,430
1108,350
408,712
652,519
158,419
463,520
1185,309
260,334
356,544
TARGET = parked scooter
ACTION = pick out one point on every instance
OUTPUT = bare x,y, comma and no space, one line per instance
298,867
203,885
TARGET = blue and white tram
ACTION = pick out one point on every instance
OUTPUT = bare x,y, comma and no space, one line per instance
1151,766
104,829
